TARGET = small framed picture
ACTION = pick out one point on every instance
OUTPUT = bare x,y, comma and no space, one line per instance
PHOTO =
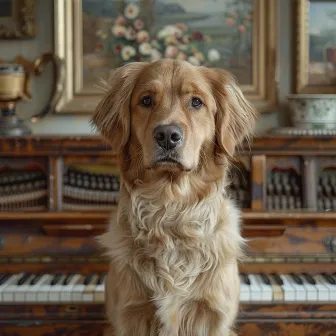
17,19
315,46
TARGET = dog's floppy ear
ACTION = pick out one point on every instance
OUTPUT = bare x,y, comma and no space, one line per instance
235,116
112,115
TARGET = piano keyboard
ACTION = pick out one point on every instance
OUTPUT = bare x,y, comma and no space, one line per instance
254,288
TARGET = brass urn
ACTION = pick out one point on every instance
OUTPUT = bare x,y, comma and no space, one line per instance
14,87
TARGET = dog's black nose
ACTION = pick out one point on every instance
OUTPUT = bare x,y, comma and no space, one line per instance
168,136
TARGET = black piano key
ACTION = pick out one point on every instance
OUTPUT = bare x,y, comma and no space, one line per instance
309,278
24,278
36,279
101,279
246,279
68,279
89,278
4,278
55,280
329,278
277,279
265,279
296,278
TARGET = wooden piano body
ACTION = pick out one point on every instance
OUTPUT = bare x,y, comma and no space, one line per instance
57,193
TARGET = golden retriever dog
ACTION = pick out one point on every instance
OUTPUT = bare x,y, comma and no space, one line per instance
175,242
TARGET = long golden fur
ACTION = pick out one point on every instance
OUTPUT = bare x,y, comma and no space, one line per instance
175,243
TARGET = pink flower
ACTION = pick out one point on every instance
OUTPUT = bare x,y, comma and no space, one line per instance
171,51
142,36
242,28
186,39
120,20
138,24
130,34
118,31
230,22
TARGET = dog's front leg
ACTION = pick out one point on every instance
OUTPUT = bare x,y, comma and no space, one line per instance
128,307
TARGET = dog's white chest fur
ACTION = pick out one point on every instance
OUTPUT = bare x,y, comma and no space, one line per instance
175,244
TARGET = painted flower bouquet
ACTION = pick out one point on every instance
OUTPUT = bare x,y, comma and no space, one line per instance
128,40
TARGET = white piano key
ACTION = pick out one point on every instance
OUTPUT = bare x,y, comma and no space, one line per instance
299,290
9,291
43,293
67,289
289,294
310,290
245,295
322,290
277,291
256,293
77,291
20,293
10,281
89,289
99,294
331,288
55,290
31,295
266,290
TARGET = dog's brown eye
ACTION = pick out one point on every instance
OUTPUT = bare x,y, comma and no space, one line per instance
146,101
196,103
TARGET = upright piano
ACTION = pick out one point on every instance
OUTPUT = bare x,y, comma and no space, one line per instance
57,193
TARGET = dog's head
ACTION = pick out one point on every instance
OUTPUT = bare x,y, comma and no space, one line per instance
172,116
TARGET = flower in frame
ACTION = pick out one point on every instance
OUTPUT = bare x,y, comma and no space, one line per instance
142,36
155,55
138,24
213,55
120,20
186,39
131,11
200,56
181,56
193,60
117,49
130,34
169,30
171,51
171,40
181,26
198,36
118,31
242,28
230,22
127,52
145,49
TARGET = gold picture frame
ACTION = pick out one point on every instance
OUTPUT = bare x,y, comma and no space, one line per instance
17,19
76,98
313,73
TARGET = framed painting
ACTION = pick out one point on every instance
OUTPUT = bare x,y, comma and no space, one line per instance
315,46
96,36
17,19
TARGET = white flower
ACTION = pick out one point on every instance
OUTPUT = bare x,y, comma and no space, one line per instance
127,52
131,11
169,31
118,31
155,55
213,55
142,36
171,51
145,48
130,34
193,60
155,44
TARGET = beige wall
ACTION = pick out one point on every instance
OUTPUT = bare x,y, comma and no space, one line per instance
57,124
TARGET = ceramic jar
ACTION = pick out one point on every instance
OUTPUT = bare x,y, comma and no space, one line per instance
313,111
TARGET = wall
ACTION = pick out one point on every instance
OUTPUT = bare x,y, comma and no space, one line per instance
61,124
